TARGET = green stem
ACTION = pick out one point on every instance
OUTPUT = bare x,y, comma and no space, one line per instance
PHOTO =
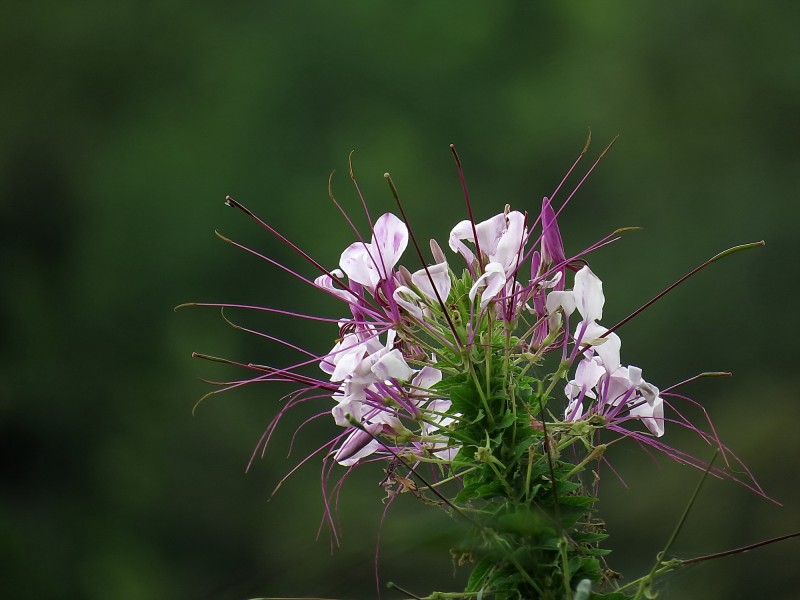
597,452
512,388
563,368
481,392
531,452
562,547
452,477
487,352
506,485
404,331
646,581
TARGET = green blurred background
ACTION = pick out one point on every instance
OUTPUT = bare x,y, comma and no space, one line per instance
126,123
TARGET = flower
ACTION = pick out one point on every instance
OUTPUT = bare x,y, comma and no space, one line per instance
455,370
373,263
501,241
430,362
619,395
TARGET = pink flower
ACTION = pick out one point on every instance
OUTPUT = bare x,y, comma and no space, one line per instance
370,264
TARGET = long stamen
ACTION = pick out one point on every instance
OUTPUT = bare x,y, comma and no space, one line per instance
276,311
574,164
694,271
469,207
265,335
380,265
350,222
696,377
358,189
586,176
439,298
235,204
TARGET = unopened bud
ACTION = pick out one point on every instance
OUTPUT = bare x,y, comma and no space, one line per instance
404,275
438,255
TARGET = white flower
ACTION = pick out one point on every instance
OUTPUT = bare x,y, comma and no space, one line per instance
369,264
413,302
494,278
606,345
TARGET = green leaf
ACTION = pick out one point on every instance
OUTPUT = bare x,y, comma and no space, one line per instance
585,568
589,537
507,420
468,492
522,447
465,399
524,521
580,501
490,490
479,573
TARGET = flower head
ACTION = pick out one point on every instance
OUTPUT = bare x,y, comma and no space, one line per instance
457,366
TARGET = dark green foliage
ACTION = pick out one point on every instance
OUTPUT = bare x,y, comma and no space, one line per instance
532,530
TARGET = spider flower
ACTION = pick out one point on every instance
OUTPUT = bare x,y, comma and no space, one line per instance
456,362
437,354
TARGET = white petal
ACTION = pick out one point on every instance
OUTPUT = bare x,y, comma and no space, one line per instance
427,377
635,375
441,405
589,297
489,233
563,300
607,348
574,410
359,265
551,283
649,392
609,351
345,355
511,243
588,373
462,231
390,238
347,405
409,300
651,415
494,278
326,282
357,445
392,365
440,273
619,387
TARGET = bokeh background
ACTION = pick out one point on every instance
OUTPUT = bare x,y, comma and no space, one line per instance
124,124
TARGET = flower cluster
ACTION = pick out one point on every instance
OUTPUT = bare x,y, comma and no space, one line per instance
386,386
460,364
